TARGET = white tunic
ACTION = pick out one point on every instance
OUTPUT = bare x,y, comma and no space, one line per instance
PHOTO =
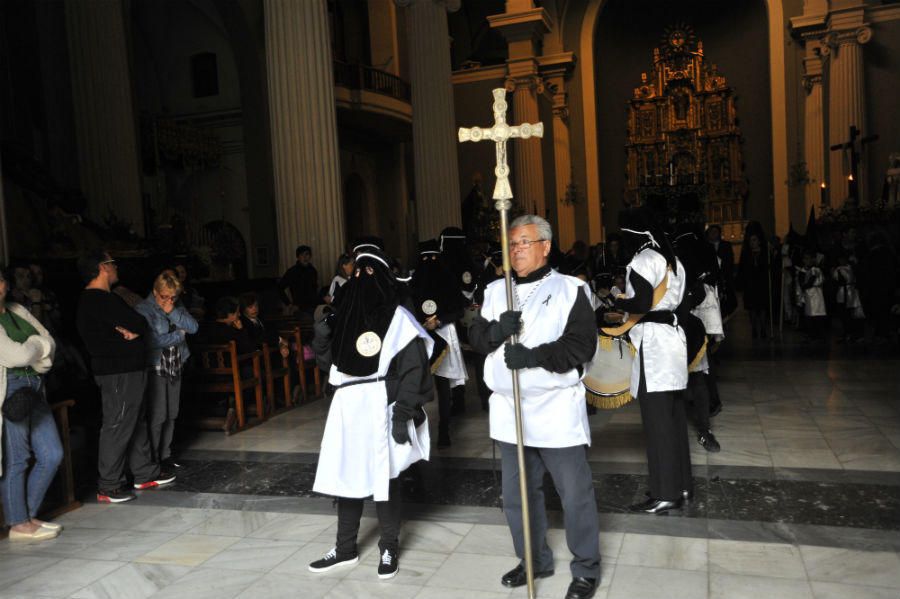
358,456
664,346
709,313
554,412
453,366
813,299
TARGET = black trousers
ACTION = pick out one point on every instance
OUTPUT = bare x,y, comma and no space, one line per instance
443,391
350,511
571,474
668,453
124,434
697,393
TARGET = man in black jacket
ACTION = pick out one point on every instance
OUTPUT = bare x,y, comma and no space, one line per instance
302,280
114,336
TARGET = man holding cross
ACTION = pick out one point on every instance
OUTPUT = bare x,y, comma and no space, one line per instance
556,337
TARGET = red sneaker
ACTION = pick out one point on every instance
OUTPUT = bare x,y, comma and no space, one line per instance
163,478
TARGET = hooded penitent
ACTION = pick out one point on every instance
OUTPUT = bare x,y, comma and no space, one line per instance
433,287
367,305
456,255
642,230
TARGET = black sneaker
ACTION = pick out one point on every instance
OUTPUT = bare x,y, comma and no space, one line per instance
114,495
389,565
163,478
331,560
708,441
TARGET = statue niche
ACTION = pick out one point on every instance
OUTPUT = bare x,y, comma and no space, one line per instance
683,140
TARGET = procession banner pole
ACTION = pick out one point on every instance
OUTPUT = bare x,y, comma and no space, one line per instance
499,134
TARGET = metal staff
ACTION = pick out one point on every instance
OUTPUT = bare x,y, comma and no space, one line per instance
499,134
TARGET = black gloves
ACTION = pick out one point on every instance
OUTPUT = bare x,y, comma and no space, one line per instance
507,325
518,356
400,431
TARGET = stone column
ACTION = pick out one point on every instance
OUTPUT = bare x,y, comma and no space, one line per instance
105,124
814,136
846,106
308,201
523,26
555,70
436,169
528,169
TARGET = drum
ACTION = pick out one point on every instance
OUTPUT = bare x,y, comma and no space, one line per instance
608,377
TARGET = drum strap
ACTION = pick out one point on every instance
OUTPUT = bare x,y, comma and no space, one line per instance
658,293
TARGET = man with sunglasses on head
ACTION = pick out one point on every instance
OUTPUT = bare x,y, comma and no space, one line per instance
557,336
115,338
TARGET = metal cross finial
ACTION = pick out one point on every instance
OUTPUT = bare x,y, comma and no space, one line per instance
499,133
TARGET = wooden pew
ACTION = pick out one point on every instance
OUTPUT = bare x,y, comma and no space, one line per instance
277,367
295,335
217,370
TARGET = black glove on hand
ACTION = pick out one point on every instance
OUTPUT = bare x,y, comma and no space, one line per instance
399,431
508,324
518,356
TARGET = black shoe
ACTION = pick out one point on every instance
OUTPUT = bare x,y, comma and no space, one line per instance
517,577
331,560
656,506
708,441
582,588
163,478
389,564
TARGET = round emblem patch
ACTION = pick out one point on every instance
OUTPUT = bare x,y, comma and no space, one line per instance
429,307
466,278
368,344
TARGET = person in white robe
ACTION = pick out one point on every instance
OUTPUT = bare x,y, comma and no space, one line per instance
810,280
376,426
662,365
556,330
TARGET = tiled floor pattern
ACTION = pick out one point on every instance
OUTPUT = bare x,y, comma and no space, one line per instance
134,551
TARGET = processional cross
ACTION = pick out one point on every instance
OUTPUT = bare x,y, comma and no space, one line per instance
851,145
499,134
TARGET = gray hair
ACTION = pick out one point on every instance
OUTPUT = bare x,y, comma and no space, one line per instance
543,227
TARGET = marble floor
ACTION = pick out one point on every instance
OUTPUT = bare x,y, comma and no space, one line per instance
803,501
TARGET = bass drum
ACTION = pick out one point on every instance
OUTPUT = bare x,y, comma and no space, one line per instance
607,381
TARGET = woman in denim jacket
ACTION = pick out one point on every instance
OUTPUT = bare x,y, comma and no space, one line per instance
169,323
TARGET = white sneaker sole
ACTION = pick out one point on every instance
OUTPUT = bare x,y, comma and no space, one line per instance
389,576
348,562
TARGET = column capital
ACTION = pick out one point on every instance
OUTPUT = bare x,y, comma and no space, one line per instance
810,81
833,40
450,5
532,82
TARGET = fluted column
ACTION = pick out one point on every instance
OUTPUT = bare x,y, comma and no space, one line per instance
105,124
528,172
436,170
562,160
846,106
308,201
814,129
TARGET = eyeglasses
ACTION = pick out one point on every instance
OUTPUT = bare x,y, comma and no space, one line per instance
525,243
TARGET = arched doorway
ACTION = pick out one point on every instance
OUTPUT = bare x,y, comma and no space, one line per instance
357,208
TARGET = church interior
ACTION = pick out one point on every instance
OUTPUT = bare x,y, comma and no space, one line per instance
238,141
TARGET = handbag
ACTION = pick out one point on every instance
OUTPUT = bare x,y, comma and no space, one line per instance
20,404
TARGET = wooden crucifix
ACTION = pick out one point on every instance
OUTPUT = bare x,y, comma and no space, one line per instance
850,146
499,134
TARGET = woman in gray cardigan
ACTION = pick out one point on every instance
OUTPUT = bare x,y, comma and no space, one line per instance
26,354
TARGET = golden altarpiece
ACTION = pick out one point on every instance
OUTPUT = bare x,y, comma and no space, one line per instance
683,142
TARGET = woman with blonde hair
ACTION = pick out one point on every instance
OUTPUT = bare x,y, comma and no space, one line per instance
26,421
169,324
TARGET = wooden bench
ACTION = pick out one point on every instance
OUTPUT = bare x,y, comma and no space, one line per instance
277,367
219,370
66,502
295,335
